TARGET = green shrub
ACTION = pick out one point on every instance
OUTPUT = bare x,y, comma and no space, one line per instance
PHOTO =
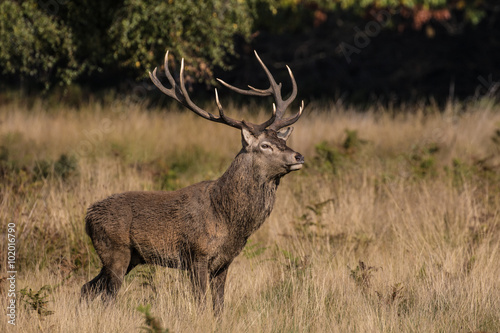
423,160
35,45
36,300
62,168
152,324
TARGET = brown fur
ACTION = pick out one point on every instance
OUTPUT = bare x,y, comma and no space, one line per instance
200,228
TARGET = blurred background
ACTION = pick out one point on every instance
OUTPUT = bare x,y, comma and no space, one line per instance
360,52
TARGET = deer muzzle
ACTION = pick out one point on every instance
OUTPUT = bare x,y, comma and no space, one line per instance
299,161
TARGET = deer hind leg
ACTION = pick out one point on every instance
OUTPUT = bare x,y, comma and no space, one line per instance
115,266
93,288
110,278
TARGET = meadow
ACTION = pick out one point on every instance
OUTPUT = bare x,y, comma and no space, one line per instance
393,225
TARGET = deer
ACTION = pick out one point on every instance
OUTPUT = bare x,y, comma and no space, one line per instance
203,227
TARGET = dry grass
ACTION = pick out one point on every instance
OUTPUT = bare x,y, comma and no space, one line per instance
394,231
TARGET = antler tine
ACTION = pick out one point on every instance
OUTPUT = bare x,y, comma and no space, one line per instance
281,105
180,94
292,96
271,120
252,92
189,103
154,78
280,123
223,117
172,92
274,90
167,71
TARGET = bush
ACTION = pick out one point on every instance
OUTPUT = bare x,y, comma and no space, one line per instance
57,45
201,31
35,46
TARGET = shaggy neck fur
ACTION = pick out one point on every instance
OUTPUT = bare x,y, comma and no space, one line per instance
244,195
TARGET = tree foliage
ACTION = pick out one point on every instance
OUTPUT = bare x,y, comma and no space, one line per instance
201,31
416,12
34,45
55,42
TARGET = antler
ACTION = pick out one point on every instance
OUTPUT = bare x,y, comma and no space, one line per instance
180,94
276,121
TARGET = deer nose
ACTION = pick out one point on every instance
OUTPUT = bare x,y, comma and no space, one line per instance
299,158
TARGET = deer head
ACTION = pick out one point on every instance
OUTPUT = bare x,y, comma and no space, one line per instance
270,154
266,142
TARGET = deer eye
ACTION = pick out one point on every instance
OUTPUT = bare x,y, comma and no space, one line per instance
265,146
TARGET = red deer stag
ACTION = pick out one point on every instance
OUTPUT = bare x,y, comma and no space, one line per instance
203,227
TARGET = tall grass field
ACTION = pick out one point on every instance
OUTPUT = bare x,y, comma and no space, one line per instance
393,225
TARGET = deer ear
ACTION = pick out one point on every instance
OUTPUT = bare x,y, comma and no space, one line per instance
247,138
285,133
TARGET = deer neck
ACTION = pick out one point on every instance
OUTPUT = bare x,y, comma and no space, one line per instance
244,195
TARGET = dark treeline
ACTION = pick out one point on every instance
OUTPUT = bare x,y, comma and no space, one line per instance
340,50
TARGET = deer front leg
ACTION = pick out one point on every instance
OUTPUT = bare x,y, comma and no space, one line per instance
217,283
199,275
